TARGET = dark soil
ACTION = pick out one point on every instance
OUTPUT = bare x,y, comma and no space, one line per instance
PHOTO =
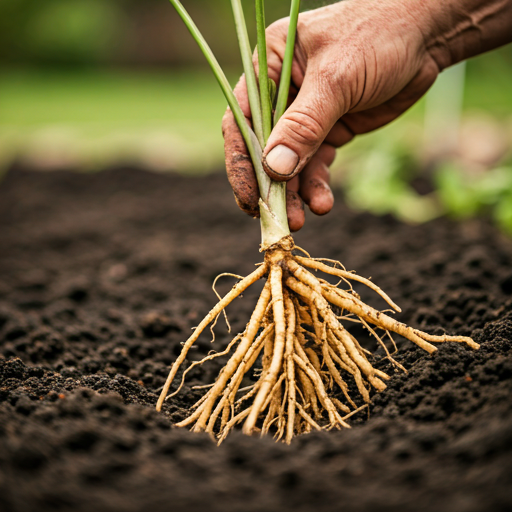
101,278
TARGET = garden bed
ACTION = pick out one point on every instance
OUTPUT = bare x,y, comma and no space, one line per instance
103,275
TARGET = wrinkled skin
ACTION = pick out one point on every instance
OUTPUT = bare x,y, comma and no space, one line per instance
358,65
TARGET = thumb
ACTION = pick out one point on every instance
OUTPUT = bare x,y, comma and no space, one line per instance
303,127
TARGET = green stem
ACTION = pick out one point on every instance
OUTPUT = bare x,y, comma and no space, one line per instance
274,222
266,107
286,72
250,74
277,217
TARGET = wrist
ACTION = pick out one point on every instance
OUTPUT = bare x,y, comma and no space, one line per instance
456,30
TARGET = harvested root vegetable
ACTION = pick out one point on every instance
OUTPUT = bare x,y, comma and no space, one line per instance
307,354
297,326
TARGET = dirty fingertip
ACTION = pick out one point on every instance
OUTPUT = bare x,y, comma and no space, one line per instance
250,206
321,199
295,210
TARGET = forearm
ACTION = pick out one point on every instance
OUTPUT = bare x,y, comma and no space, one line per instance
460,29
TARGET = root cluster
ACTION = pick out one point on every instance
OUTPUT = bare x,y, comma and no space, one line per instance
307,355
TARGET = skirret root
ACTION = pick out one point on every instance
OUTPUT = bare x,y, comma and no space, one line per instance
307,357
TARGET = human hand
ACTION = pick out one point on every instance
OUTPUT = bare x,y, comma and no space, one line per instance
358,65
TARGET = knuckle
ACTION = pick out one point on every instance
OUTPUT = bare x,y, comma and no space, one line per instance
333,79
304,128
275,65
278,29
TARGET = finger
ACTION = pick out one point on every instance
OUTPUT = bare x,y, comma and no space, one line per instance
339,135
242,97
293,184
314,186
276,36
294,210
302,128
239,167
326,153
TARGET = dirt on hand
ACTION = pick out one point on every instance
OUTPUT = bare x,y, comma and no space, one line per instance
102,276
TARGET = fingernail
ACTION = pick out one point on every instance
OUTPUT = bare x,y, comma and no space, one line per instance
282,160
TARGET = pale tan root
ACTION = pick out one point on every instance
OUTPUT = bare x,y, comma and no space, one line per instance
375,317
308,418
304,315
271,417
202,412
209,357
229,394
290,369
308,391
336,375
315,361
234,363
308,369
317,325
351,369
340,405
305,353
274,399
343,359
395,348
267,357
245,365
250,394
300,357
233,294
225,416
214,288
276,285
318,265
383,345
380,319
443,339
231,423
359,409
307,287
281,422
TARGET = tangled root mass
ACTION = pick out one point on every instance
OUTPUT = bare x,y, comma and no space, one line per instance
307,355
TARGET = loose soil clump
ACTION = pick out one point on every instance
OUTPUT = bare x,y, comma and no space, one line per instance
102,278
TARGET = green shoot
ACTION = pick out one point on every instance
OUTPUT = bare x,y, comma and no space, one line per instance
274,222
250,74
217,71
265,97
286,72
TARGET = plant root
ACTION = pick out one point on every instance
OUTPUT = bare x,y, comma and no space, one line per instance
305,354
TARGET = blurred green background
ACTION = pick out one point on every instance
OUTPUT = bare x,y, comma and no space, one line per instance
86,84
